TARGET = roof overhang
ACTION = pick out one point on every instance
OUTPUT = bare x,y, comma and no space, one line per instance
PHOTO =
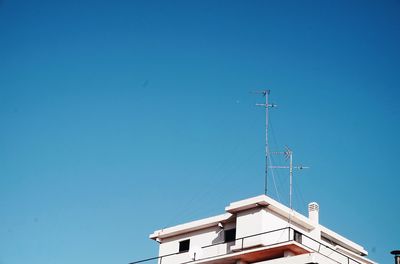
342,241
354,255
190,227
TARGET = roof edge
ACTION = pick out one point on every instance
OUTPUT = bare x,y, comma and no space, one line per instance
190,226
342,241
264,200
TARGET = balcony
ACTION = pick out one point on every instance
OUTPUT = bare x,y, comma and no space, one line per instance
259,247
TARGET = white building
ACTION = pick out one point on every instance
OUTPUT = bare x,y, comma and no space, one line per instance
256,230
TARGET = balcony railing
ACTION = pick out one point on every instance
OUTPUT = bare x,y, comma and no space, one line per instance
266,239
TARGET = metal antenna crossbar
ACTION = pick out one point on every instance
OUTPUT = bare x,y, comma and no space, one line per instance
289,156
267,105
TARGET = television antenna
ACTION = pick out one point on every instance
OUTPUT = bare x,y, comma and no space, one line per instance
267,105
288,153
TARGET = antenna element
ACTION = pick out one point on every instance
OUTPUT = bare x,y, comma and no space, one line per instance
289,156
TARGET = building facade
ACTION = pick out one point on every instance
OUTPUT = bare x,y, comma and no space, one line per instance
256,230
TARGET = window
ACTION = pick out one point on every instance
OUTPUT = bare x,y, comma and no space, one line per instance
230,235
297,237
184,245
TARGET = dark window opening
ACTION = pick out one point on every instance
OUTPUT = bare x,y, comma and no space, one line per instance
184,245
297,237
230,235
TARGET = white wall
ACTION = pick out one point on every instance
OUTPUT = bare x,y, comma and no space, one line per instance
254,221
198,239
249,222
261,220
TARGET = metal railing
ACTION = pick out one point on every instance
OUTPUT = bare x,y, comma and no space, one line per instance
265,239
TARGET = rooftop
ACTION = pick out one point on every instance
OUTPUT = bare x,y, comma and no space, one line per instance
263,201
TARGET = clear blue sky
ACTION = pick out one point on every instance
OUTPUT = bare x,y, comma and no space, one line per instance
122,117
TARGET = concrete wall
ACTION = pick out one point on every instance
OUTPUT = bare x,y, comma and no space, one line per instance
198,239
262,221
254,221
250,222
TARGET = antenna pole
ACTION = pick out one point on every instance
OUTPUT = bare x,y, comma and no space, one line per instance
289,155
267,105
266,93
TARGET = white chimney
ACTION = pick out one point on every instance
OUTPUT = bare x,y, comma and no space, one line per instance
313,212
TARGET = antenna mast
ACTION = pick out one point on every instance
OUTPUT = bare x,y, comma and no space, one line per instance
267,105
289,155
